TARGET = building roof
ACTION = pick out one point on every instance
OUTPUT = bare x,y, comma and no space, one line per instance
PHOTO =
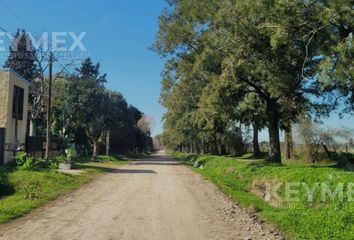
15,73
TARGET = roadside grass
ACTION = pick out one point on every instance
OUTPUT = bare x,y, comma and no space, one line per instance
31,189
243,180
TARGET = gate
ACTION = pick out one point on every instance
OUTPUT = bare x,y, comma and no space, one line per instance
2,145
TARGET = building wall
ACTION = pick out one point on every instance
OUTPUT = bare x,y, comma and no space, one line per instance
6,109
4,96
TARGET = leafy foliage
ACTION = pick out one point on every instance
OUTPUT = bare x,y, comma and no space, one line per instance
24,162
23,56
85,109
251,63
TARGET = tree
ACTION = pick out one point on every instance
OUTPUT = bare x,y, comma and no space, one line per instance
23,56
273,51
313,137
338,58
252,112
157,143
129,132
269,48
88,103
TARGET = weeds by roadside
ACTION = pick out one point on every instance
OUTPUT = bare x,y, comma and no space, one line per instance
245,181
28,186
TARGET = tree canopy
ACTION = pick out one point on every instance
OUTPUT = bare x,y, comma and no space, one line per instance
251,63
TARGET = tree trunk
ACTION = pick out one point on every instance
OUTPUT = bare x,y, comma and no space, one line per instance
223,150
197,148
95,151
215,146
288,142
256,149
349,156
334,149
32,128
108,143
273,127
326,150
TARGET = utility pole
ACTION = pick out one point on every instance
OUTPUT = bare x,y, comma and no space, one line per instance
49,107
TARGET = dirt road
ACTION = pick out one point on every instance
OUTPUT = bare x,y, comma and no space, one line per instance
155,198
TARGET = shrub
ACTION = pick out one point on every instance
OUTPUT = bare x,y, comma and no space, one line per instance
54,165
20,158
61,159
30,164
25,162
71,153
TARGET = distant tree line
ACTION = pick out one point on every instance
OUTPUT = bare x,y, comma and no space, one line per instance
84,112
243,64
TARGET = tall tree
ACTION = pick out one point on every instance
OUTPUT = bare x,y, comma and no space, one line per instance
338,58
23,56
272,49
88,103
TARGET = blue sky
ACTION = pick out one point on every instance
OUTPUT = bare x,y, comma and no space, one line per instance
118,36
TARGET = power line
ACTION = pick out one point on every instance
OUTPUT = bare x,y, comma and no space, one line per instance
15,14
4,30
10,33
50,55
47,54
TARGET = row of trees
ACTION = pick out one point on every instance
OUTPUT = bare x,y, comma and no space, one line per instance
237,63
83,111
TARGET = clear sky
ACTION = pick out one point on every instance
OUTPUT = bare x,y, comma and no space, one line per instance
119,33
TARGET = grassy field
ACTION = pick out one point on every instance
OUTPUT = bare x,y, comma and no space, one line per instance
26,190
244,180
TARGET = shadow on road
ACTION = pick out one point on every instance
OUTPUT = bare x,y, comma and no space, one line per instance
159,163
160,160
115,170
141,171
152,160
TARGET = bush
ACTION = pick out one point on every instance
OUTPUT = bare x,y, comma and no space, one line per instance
60,158
20,158
30,164
70,153
54,165
25,162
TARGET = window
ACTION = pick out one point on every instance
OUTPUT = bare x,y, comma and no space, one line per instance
17,104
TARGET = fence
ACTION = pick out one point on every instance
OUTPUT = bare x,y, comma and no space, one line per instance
36,146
